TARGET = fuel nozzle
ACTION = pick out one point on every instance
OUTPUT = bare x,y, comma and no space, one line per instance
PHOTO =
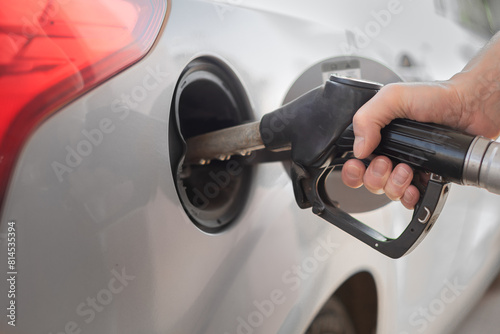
316,128
456,156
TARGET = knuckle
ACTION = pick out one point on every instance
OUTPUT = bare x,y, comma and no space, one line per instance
358,121
392,90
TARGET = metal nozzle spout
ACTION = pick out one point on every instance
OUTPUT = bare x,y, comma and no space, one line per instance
489,175
482,165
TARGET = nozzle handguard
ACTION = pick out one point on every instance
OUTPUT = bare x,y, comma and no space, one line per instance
317,127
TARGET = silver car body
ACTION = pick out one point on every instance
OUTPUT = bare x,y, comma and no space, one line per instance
114,231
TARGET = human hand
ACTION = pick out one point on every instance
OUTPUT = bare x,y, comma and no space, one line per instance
469,101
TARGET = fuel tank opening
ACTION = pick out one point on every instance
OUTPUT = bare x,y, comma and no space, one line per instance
208,97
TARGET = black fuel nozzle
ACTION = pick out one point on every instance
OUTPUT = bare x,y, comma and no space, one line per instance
317,128
312,123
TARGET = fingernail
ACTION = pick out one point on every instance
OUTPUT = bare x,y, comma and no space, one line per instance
359,146
407,197
354,172
400,176
380,167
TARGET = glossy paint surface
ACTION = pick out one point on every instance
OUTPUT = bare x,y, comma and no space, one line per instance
109,249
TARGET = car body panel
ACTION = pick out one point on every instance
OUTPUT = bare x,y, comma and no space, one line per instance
115,219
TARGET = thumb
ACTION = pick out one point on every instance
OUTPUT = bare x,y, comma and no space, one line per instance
379,111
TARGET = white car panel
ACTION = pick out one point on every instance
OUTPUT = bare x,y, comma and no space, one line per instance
113,232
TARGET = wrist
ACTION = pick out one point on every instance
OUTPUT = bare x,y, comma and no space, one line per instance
477,95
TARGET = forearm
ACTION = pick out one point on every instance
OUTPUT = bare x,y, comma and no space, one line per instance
478,87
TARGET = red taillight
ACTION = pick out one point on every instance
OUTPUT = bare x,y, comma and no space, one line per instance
54,50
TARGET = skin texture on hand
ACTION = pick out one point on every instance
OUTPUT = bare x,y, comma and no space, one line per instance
469,101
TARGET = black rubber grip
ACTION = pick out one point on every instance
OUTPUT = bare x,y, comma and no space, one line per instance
312,123
430,147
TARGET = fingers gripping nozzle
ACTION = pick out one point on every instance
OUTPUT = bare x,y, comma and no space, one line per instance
317,128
